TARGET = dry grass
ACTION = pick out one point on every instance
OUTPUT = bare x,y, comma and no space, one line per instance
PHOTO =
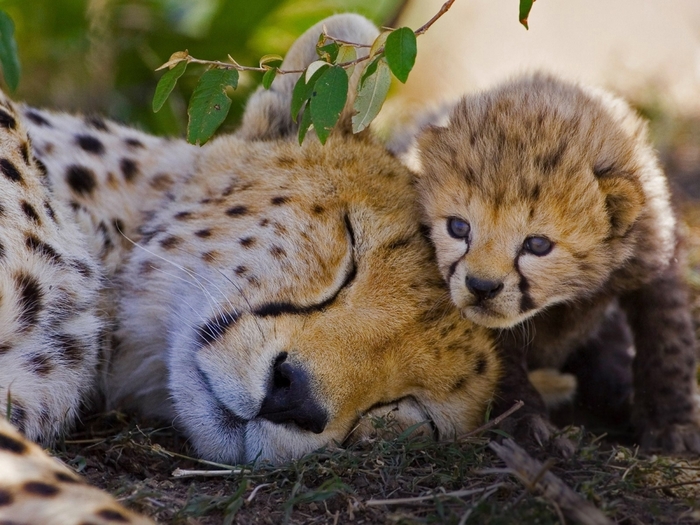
405,480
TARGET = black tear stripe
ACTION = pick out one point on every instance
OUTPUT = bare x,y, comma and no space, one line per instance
526,302
279,308
215,328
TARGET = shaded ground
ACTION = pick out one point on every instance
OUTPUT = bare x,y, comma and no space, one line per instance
460,482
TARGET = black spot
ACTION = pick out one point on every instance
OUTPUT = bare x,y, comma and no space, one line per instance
37,119
452,269
11,444
240,270
134,143
30,299
107,243
7,120
535,193
318,209
399,243
526,302
550,161
2,251
236,211
277,252
204,233
247,242
5,497
118,225
81,180
130,169
43,170
24,151
601,170
40,364
72,350
18,415
96,122
50,211
210,256
38,246
171,242
64,477
90,144
481,365
82,267
214,328
10,170
279,200
264,222
183,215
113,515
30,212
39,488
459,384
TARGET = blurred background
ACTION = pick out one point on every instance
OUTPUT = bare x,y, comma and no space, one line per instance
100,55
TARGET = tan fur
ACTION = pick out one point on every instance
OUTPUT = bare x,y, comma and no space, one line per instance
538,157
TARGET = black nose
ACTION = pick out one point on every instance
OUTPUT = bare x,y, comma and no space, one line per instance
483,288
289,398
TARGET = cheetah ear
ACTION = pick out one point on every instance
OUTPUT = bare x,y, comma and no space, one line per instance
624,201
268,114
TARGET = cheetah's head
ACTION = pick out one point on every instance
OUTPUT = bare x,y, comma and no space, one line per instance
294,293
535,193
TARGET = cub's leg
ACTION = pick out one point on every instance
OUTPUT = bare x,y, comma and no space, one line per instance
49,285
530,425
664,413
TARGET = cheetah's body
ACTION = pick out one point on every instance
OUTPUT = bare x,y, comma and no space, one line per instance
262,295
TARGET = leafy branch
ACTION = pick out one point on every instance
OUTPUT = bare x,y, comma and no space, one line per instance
321,92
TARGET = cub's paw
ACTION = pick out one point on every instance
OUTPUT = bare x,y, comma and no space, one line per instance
674,439
536,433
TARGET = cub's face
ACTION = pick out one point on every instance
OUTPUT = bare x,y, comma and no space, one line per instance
531,193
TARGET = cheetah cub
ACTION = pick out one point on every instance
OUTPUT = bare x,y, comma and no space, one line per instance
550,214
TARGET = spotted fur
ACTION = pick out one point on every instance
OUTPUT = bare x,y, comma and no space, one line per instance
262,296
567,214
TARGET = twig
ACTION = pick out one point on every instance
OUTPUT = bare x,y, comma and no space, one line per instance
255,491
185,473
492,423
445,7
420,499
526,469
186,57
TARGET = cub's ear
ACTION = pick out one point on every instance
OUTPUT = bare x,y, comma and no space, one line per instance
624,201
268,115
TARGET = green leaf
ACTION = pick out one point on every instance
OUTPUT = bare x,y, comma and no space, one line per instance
525,6
166,84
329,52
209,104
327,100
8,51
370,69
268,77
400,51
304,125
302,91
271,61
371,96
346,54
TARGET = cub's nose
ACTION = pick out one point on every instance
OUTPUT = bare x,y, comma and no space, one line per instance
289,398
483,288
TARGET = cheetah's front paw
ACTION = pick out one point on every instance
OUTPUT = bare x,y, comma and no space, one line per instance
536,433
676,438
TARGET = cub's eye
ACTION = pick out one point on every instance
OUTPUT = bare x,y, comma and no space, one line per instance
538,245
458,228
